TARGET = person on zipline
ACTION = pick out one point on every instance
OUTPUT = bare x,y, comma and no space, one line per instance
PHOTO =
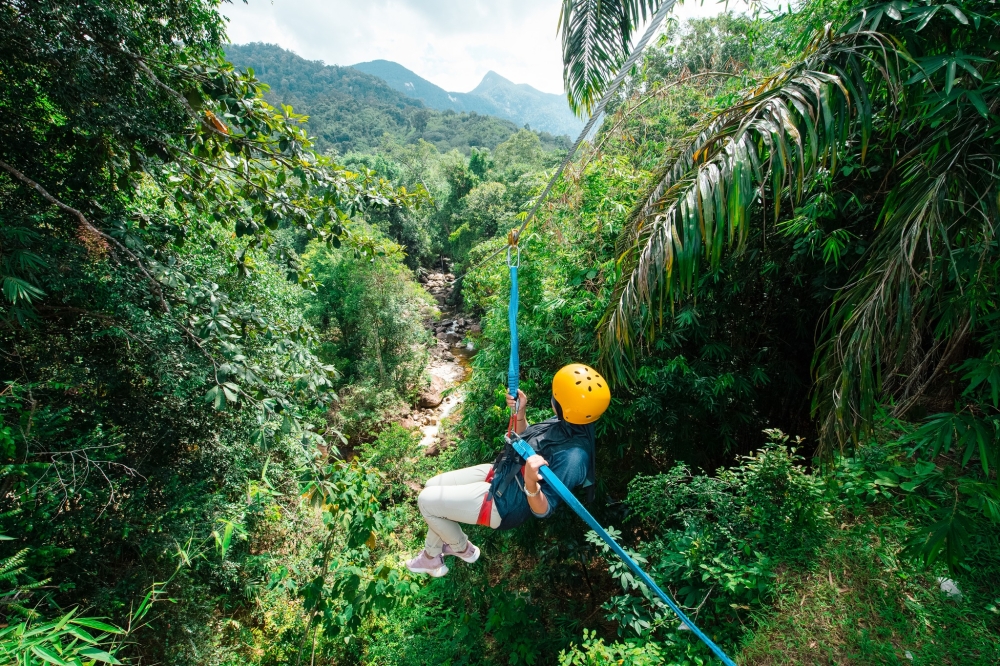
502,495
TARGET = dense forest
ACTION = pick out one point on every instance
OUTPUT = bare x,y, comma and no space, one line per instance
781,244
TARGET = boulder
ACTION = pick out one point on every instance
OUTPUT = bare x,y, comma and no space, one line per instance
430,397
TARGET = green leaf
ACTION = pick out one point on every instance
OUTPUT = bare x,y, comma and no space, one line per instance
596,37
957,13
98,625
16,289
216,397
99,655
48,656
888,476
978,102
81,633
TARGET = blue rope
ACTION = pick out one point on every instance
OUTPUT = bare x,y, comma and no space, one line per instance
514,367
525,451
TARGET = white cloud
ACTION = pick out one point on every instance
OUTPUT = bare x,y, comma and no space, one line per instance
452,43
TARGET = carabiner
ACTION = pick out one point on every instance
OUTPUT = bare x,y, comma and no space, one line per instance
512,265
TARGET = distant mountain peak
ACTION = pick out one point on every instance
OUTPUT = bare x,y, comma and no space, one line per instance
495,95
491,75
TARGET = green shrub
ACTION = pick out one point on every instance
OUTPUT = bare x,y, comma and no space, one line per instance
368,311
717,541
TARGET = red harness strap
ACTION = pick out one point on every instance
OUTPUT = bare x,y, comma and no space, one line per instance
486,510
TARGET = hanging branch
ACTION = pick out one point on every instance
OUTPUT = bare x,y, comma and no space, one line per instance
157,289
206,120
626,113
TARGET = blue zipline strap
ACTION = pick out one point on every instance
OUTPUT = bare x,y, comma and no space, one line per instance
514,367
525,451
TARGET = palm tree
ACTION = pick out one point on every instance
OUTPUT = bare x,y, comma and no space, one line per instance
906,93
852,90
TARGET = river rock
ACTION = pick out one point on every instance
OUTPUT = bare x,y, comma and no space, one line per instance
430,397
408,423
475,328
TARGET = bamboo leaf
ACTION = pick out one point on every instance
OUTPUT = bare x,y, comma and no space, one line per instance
47,655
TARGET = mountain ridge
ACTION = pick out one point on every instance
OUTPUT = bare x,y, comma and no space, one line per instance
350,110
495,95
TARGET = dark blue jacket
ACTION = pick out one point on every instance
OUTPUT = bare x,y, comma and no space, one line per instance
569,450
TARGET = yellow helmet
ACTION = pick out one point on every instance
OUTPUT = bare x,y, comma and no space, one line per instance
581,392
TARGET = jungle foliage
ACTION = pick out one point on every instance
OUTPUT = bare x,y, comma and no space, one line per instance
781,241
473,198
163,405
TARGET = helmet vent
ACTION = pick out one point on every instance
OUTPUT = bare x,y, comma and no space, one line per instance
588,416
590,388
578,383
599,385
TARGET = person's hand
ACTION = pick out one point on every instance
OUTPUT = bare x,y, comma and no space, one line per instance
522,401
531,467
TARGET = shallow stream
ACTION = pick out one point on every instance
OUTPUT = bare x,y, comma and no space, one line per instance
450,364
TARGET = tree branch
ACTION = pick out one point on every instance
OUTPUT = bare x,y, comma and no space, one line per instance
82,219
182,100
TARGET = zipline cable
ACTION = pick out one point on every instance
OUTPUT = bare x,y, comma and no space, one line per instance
651,29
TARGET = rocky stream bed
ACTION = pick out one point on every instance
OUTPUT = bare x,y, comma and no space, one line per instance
449,365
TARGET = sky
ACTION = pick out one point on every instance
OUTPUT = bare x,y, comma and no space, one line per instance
452,43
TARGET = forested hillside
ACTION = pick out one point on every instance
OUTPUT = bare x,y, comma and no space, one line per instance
215,336
351,110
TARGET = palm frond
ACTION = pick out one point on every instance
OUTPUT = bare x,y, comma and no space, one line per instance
767,148
899,327
596,35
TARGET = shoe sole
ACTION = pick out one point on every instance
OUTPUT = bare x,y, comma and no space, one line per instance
433,573
475,556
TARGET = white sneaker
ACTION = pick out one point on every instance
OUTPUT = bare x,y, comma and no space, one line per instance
432,566
470,554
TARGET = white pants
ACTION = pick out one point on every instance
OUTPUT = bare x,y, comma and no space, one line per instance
452,498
